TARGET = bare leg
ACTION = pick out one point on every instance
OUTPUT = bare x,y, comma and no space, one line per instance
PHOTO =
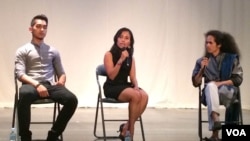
142,106
133,97
143,101
133,115
215,117
215,134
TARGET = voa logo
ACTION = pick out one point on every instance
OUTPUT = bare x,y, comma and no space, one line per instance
236,132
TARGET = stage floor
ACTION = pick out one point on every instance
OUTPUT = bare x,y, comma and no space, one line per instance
159,124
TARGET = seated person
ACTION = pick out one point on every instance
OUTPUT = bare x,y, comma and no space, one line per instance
223,74
35,66
119,64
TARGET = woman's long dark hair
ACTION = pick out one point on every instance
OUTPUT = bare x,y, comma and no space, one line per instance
226,41
118,34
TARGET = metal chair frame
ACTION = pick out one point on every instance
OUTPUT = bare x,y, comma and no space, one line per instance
100,71
201,121
56,110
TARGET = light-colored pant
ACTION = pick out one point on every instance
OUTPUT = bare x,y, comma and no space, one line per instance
213,101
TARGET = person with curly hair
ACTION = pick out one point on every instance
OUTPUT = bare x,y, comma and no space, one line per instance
223,74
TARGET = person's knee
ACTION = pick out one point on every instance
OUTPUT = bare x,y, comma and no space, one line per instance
145,96
136,98
27,94
210,85
26,90
72,100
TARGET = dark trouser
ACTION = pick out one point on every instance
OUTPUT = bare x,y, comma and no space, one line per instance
232,114
60,94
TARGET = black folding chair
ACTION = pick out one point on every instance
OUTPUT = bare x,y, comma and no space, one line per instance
233,114
100,71
56,109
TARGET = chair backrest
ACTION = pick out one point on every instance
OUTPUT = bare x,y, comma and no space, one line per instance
100,71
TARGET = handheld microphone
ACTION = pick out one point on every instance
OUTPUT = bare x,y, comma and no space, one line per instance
207,56
127,59
128,50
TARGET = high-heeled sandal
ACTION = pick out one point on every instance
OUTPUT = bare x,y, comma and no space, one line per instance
120,130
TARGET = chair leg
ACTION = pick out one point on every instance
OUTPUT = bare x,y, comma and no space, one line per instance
142,129
96,119
103,120
200,132
199,121
15,123
241,117
14,113
56,111
103,123
240,113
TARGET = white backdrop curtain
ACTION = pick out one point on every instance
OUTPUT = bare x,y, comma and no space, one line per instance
169,37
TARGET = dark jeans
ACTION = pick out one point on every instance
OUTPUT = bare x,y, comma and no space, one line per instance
232,114
28,94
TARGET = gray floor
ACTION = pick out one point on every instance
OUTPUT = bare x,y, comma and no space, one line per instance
159,124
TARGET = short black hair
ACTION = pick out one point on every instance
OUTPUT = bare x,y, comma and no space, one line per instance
41,17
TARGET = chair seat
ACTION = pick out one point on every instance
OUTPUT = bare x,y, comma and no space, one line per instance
43,101
111,100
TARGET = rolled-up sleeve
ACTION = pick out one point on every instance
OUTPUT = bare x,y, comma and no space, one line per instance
197,67
237,73
57,63
196,70
20,60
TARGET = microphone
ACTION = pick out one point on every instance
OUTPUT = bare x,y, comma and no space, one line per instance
207,56
128,50
127,59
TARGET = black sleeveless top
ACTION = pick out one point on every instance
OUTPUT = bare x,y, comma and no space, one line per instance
113,88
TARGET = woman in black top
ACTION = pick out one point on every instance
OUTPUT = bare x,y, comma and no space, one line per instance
120,64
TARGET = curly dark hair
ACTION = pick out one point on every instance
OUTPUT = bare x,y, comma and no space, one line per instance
226,40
